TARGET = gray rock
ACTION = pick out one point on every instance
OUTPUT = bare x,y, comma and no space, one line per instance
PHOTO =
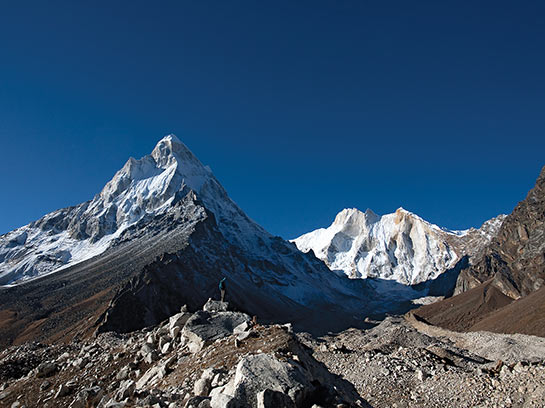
202,387
243,327
243,335
115,404
224,401
46,369
273,399
123,374
204,328
260,372
195,402
167,347
156,372
178,320
421,375
151,357
215,306
88,397
45,385
63,391
126,390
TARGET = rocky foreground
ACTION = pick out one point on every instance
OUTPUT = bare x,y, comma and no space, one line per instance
219,358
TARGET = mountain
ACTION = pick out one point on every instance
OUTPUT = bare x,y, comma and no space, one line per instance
401,247
160,234
515,258
510,270
141,190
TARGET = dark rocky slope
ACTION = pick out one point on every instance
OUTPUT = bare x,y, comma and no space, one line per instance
497,290
515,258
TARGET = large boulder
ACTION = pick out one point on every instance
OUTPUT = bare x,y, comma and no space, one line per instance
203,328
215,306
265,380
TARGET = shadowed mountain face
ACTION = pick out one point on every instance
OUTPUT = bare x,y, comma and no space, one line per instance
161,234
501,290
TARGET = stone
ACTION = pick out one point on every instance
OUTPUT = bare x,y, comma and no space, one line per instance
88,397
162,341
156,372
224,401
243,336
273,399
243,327
45,385
215,306
46,369
123,374
202,387
126,390
114,404
203,328
178,320
196,401
166,348
151,357
175,331
259,372
63,391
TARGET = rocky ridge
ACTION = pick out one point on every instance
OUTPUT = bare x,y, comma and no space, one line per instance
220,358
211,358
515,258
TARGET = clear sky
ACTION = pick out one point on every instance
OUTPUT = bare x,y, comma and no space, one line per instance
301,108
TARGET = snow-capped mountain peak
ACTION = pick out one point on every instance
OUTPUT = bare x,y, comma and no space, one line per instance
400,246
141,189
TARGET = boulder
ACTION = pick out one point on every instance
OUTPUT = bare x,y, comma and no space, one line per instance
224,401
178,320
260,372
202,387
126,390
215,306
203,328
156,372
273,399
241,328
62,391
88,397
46,369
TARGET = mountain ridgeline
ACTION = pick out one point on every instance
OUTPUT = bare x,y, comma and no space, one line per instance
163,232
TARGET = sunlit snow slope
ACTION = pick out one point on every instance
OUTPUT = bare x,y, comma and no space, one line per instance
399,246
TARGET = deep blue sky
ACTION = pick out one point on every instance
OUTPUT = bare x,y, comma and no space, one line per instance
300,108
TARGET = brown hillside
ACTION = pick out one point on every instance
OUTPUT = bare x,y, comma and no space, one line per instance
462,312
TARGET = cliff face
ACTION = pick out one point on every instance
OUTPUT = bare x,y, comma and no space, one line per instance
515,258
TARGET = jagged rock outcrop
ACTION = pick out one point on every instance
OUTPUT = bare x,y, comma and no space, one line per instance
515,258
157,367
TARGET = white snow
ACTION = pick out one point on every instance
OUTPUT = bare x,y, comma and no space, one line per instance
400,246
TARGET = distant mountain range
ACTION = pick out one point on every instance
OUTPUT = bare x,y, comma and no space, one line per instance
399,246
163,232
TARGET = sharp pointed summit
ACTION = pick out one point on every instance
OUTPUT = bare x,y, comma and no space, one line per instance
161,233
